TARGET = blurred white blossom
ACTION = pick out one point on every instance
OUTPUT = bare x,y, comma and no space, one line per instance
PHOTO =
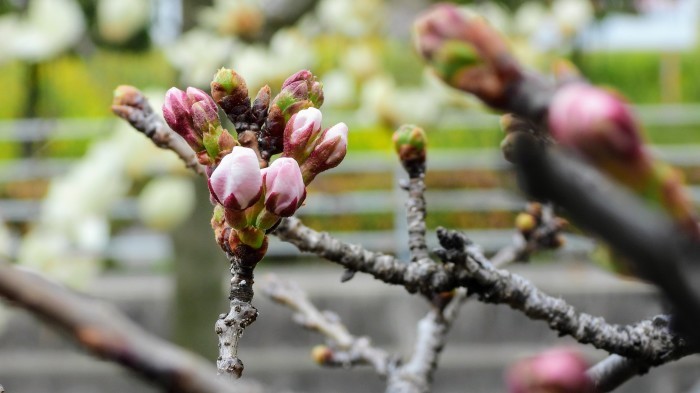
529,17
352,18
119,20
234,17
362,61
198,54
166,202
289,51
338,89
572,15
48,28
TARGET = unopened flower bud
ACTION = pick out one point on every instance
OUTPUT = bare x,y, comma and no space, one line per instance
410,144
301,132
329,151
284,187
554,371
237,182
231,93
321,354
594,122
227,85
261,105
177,113
466,52
525,222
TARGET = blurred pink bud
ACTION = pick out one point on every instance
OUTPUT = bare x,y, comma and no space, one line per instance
177,113
237,182
558,370
284,187
594,122
301,130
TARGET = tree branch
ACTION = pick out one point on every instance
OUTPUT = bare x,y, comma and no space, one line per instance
343,349
108,334
131,105
660,251
466,267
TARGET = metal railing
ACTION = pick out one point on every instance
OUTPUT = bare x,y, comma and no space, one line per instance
350,201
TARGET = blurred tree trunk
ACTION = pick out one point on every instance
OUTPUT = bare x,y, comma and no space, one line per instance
200,271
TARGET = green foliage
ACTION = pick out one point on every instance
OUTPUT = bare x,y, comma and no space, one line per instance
638,75
71,86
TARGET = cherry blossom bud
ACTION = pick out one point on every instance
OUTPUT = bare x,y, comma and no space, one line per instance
284,187
237,182
205,115
227,85
466,52
554,371
328,152
410,143
301,132
177,113
594,122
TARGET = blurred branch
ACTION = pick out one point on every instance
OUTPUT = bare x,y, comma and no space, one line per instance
660,251
108,334
613,371
344,349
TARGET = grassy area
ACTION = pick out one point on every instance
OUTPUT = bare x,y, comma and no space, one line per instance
72,86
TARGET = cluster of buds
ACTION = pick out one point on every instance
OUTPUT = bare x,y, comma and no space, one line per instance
558,370
466,52
253,200
251,193
540,227
599,126
300,91
194,116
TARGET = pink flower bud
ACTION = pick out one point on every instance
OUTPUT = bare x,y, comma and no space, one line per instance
328,153
557,371
299,76
237,182
301,130
177,113
284,187
594,122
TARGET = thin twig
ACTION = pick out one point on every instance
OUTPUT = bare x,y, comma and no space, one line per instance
344,349
108,334
131,105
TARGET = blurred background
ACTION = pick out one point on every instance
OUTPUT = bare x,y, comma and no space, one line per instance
91,203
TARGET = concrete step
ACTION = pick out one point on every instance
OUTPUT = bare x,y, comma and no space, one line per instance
473,368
